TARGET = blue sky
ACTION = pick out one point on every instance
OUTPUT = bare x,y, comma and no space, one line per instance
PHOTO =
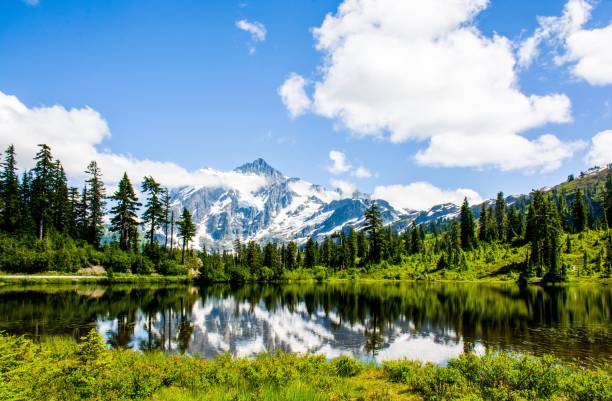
178,81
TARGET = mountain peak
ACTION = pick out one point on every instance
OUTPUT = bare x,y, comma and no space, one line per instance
259,166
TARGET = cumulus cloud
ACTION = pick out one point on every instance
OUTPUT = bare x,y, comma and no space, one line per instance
507,152
256,29
339,163
600,152
347,189
361,172
587,50
423,195
294,95
75,135
408,70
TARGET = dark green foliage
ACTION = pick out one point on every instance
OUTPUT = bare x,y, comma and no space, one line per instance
186,230
501,218
607,200
9,192
580,217
468,239
374,229
543,230
94,209
153,214
124,214
41,189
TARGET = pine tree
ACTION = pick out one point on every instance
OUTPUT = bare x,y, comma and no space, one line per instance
607,201
374,227
500,217
73,212
82,221
10,192
310,254
291,256
154,210
59,206
124,218
543,230
186,230
95,204
26,220
416,243
484,224
42,186
580,217
166,220
467,226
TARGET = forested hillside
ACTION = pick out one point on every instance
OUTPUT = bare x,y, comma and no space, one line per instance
552,234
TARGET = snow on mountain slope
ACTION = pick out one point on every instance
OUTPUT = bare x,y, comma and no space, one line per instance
275,208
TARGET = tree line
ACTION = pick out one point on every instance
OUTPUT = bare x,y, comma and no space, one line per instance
538,223
41,205
44,222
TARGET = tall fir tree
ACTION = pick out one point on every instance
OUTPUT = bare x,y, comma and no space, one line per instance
580,217
468,238
9,182
543,230
167,213
310,254
373,227
607,200
95,204
186,230
42,186
26,220
59,206
154,209
124,218
501,217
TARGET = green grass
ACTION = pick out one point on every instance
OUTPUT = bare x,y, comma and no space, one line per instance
59,369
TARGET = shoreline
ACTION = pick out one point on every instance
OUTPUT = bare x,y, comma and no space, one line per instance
26,279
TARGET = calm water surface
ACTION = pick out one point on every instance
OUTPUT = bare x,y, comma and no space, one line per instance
426,321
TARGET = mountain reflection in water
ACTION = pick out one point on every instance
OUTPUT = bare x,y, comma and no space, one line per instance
426,321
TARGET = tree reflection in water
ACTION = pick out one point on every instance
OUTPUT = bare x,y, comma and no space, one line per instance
430,321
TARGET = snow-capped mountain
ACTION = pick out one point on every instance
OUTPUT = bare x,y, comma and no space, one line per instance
257,202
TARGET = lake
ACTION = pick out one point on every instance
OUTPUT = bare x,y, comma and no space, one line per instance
374,322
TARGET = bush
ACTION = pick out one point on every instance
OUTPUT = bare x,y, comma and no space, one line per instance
347,367
170,267
142,265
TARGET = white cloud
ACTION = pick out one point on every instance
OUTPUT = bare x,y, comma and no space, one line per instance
587,50
423,195
361,172
294,96
339,163
554,31
75,135
256,29
347,189
506,152
592,52
421,70
600,152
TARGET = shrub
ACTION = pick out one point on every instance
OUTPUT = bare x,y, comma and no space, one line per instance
170,267
347,367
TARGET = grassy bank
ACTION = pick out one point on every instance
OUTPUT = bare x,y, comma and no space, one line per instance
62,278
60,369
